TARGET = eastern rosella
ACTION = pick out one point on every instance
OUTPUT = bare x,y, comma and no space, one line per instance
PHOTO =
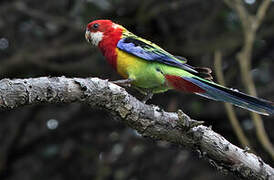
152,69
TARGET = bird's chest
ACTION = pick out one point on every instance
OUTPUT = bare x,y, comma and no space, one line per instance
142,72
127,63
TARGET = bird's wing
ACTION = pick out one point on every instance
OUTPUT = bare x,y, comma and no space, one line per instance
151,52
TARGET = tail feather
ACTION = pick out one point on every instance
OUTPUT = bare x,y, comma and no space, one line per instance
216,92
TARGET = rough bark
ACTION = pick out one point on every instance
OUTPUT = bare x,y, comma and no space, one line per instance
148,120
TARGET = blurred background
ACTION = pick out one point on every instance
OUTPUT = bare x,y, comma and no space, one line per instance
73,141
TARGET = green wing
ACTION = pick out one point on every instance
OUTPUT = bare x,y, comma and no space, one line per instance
151,52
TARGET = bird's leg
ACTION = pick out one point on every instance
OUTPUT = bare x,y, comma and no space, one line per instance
127,83
146,92
148,96
123,82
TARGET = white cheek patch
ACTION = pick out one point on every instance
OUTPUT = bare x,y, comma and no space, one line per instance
96,37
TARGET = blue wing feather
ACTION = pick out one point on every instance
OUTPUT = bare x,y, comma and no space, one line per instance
151,52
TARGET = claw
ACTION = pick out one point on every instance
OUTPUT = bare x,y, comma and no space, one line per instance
147,97
123,82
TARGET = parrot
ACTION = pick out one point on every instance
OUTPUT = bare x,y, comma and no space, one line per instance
151,69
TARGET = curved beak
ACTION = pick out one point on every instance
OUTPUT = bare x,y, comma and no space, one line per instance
87,35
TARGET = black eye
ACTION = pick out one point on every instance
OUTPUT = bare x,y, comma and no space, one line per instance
95,26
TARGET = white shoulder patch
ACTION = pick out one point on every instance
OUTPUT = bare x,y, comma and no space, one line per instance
96,37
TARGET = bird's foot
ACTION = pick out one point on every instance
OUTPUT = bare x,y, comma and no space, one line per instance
146,92
147,97
123,82
186,122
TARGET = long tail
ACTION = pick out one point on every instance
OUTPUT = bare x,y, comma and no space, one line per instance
217,92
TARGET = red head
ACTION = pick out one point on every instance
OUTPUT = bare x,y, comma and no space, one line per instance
105,34
98,30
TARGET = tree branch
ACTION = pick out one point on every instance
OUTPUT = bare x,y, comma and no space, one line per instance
148,120
261,13
250,25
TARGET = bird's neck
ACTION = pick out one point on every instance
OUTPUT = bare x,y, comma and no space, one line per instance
108,46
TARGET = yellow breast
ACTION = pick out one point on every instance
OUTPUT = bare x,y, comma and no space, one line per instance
127,62
143,73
